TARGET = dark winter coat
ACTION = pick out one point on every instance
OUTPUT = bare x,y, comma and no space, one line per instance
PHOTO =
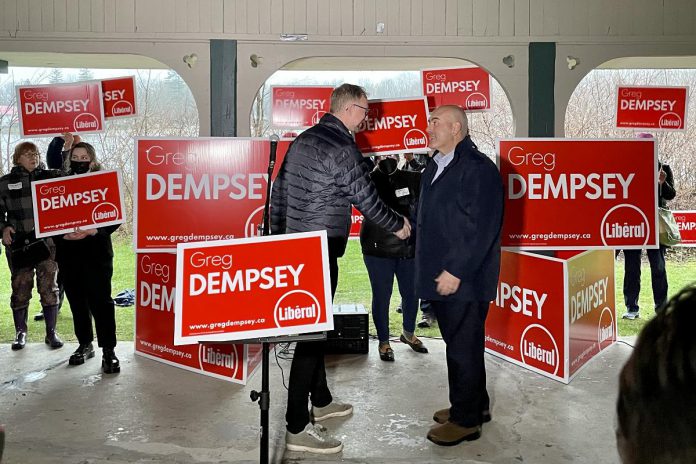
322,174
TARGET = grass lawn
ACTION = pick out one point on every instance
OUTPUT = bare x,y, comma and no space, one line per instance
353,287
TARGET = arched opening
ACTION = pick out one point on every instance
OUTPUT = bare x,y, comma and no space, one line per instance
384,77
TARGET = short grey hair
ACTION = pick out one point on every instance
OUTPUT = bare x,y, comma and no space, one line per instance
345,94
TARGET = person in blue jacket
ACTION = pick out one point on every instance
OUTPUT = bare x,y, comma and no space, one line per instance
460,216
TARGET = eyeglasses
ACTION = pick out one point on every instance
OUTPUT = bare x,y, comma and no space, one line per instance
366,110
31,154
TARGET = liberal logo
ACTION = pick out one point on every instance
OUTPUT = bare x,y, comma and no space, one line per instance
539,349
606,333
104,212
84,122
297,307
415,139
122,108
220,359
476,101
625,224
670,121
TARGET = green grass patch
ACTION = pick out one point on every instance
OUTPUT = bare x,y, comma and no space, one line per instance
353,287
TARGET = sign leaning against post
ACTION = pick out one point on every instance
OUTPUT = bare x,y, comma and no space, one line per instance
251,288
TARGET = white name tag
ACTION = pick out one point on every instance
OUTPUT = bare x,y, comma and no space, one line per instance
17,186
401,192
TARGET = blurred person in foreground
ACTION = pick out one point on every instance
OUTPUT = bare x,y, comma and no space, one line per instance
322,174
656,407
460,216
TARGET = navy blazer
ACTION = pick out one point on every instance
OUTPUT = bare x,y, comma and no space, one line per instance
460,217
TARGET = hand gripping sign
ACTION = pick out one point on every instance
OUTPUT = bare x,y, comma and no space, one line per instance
652,108
468,87
86,201
579,194
55,109
250,288
395,126
200,189
119,97
299,107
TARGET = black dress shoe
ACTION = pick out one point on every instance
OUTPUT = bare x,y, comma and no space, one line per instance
416,346
387,355
19,341
82,353
53,340
110,363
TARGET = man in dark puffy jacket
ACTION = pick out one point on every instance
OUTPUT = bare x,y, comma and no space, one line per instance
322,174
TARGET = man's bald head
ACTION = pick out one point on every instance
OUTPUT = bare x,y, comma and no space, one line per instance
447,127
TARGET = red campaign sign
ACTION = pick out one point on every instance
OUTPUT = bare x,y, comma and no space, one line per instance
299,106
468,87
591,305
46,110
579,194
154,327
200,189
686,221
250,288
86,201
356,220
119,97
653,108
395,126
526,321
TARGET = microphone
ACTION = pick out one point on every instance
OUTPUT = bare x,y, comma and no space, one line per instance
274,147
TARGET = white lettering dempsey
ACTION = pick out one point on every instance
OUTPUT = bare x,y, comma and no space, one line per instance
74,199
206,186
648,105
52,107
300,104
568,186
588,299
451,87
114,95
392,122
243,280
520,299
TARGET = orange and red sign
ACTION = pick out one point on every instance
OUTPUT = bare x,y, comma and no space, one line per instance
250,288
119,97
651,108
395,126
154,327
356,220
58,108
686,221
468,87
553,315
200,189
299,106
579,194
86,201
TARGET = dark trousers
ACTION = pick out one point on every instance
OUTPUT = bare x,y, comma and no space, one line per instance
88,288
631,284
381,272
462,328
308,371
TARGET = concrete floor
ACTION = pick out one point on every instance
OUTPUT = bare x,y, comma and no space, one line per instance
153,413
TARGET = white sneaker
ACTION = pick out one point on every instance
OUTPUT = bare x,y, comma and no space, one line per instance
333,409
313,439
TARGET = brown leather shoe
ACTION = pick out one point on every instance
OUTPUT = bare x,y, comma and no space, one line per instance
450,434
441,416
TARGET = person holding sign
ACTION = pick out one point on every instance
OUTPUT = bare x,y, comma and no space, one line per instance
460,218
86,260
25,253
322,174
656,257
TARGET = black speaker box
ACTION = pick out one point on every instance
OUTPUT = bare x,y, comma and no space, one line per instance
350,333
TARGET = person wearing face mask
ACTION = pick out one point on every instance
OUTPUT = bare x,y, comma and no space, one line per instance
17,225
85,258
386,256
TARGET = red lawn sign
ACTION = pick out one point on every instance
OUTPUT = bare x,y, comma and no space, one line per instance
686,221
299,107
579,194
395,126
250,288
46,110
119,97
468,87
651,108
154,327
86,201
200,189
